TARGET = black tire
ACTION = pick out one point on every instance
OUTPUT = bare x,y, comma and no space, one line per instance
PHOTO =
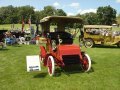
118,44
89,43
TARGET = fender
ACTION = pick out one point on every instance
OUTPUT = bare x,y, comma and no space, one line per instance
42,52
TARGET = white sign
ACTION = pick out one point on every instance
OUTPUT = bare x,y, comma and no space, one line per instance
33,63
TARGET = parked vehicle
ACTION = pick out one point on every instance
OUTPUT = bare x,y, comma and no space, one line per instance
100,34
60,50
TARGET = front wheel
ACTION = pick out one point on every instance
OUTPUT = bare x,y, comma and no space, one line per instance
51,65
86,65
41,59
88,43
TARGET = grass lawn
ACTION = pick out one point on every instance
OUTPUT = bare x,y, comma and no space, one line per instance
105,73
116,28
19,26
16,26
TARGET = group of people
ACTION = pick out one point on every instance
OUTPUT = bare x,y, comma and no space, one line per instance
9,38
17,38
103,32
12,38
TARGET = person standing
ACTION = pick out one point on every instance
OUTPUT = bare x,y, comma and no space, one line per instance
81,38
37,40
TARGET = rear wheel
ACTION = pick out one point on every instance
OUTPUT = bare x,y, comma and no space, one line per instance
118,44
86,65
88,43
51,65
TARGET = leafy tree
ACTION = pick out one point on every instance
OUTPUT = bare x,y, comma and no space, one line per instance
89,18
106,15
118,19
10,14
39,15
60,12
2,15
49,11
26,12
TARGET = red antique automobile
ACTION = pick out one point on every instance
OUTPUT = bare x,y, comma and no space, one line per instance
60,50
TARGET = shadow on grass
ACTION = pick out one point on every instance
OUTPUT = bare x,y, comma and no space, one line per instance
93,62
41,75
68,70
71,69
16,45
106,46
58,72
4,49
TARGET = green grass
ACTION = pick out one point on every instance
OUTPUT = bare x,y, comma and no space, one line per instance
19,26
16,26
105,73
116,28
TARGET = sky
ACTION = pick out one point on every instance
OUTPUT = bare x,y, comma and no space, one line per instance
71,7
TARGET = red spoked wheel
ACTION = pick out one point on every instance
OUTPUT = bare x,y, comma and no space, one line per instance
51,65
86,65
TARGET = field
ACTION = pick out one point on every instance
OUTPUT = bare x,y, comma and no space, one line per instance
105,73
19,26
16,26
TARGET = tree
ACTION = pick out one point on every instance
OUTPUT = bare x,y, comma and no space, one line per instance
2,15
89,18
25,12
106,15
8,15
118,19
60,12
49,11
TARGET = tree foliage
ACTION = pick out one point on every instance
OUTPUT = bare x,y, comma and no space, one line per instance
10,14
49,11
89,18
106,15
60,12
118,19
26,12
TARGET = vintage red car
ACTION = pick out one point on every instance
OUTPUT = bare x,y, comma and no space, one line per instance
60,50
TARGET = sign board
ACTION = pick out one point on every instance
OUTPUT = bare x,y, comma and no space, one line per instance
33,63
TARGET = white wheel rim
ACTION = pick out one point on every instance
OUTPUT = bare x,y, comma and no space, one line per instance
51,73
88,44
41,59
89,62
